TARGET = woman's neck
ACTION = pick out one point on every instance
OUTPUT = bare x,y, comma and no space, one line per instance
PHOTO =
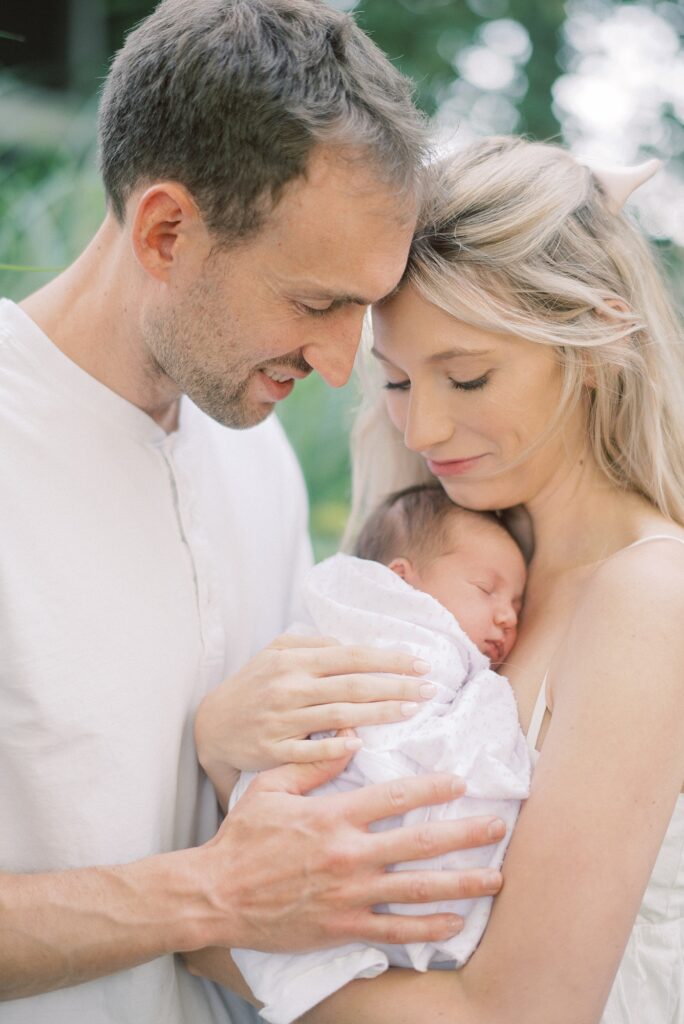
579,517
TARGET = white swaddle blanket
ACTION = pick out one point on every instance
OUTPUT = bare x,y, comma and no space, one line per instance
469,728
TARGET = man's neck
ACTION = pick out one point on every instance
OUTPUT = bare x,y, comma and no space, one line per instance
91,312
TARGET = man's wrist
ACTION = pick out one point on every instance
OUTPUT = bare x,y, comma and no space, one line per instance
198,881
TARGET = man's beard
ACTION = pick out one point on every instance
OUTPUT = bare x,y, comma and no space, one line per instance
224,394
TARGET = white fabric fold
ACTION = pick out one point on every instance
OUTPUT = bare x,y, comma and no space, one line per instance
469,728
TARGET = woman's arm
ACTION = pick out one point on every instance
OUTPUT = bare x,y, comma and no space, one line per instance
216,963
588,837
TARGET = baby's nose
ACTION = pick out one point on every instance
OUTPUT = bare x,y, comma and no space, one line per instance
506,616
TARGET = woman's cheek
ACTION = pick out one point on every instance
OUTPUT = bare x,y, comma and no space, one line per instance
396,410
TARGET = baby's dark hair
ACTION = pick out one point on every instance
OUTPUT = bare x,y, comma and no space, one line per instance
414,522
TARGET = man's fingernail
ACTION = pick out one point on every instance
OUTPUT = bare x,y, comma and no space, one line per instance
492,881
455,925
421,667
353,744
458,787
428,690
496,829
409,709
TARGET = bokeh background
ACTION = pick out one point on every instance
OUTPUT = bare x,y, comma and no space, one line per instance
602,76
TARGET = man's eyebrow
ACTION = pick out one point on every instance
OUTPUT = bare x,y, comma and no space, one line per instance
350,300
317,292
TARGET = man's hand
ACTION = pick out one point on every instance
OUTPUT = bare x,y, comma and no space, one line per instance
260,717
288,872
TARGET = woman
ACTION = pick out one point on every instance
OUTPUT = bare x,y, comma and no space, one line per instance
531,358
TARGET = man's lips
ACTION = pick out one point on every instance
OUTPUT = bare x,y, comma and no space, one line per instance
453,467
276,390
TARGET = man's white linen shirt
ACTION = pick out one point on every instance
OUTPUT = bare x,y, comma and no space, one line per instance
137,570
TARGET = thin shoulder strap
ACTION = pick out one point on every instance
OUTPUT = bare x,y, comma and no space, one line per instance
540,706
654,536
537,716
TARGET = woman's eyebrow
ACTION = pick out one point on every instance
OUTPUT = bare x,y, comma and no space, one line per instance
454,353
378,354
438,357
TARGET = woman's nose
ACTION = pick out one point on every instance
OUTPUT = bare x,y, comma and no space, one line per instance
426,425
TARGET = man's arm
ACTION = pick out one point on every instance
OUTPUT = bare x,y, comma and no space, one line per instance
285,871
63,928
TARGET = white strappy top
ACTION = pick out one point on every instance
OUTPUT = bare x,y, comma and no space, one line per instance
649,985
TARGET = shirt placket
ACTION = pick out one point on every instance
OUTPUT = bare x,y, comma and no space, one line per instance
195,539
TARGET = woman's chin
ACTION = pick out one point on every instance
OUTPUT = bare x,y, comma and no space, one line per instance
480,495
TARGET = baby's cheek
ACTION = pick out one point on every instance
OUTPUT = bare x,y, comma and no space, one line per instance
509,642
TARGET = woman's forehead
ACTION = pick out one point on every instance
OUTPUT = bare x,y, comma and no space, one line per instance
408,317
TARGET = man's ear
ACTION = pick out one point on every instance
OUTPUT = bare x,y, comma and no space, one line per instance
165,219
402,567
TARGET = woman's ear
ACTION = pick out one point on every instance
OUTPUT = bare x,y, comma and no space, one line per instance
619,305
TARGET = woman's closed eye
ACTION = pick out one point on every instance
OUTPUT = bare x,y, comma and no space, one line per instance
470,385
459,385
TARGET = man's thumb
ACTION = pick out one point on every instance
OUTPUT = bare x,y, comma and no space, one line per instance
302,778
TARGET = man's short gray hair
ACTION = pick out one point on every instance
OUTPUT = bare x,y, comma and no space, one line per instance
228,97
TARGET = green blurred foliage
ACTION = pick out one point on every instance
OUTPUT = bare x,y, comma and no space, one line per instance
51,200
424,36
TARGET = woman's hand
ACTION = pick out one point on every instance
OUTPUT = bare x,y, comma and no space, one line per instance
260,717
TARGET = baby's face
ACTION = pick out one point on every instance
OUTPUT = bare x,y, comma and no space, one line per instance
480,579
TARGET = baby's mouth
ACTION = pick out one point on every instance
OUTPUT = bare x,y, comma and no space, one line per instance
495,651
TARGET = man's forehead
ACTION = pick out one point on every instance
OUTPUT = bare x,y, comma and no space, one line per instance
358,267
339,182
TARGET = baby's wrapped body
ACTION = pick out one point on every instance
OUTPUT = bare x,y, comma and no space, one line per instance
470,728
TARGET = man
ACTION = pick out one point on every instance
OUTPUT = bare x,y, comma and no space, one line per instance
260,160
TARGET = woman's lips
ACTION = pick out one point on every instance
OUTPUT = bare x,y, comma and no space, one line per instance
454,467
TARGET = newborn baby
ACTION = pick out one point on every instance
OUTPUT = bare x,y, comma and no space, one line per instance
444,584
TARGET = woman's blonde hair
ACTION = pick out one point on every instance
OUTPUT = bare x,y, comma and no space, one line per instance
518,237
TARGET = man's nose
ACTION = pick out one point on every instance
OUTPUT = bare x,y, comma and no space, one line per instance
332,356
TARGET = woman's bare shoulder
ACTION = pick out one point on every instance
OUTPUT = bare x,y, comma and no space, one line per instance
630,612
650,569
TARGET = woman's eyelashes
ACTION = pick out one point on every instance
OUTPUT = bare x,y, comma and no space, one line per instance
459,385
470,385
